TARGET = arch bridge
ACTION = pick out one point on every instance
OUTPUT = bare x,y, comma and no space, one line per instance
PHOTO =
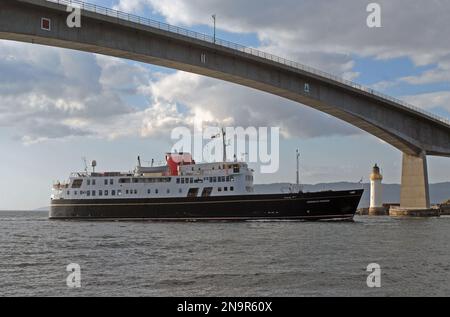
105,31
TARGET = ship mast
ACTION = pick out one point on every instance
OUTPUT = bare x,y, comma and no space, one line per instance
224,145
85,165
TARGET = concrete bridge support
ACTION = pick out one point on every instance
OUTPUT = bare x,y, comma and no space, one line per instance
415,190
414,196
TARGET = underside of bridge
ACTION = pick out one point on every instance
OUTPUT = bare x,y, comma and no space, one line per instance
413,132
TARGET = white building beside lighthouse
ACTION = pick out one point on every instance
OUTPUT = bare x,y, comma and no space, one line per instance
376,192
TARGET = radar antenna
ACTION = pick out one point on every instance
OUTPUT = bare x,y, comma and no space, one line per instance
94,165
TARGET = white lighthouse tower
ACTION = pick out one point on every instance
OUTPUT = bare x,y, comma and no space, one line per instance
376,193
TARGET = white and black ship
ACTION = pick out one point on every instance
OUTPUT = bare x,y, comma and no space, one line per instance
183,190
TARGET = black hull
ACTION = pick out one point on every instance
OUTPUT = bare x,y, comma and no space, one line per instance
340,205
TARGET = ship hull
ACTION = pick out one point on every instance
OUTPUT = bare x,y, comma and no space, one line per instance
340,205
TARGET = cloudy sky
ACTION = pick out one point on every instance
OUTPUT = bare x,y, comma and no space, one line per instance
57,105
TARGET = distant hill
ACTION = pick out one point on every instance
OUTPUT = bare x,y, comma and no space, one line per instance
439,192
42,209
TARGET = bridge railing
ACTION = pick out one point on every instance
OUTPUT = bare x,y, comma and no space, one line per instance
217,41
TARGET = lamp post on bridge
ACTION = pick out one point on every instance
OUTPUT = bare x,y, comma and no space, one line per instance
214,19
298,167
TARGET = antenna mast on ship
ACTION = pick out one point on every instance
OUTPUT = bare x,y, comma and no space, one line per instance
224,145
85,164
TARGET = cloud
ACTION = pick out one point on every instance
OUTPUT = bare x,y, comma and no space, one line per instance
60,94
181,97
440,99
49,93
440,73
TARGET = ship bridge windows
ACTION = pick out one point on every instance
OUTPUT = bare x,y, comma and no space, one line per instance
106,192
106,182
124,180
113,192
90,182
100,192
77,183
93,193
153,180
187,180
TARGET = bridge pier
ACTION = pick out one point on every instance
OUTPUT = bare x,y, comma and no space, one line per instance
415,190
415,195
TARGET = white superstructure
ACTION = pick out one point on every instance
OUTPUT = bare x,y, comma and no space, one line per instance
181,177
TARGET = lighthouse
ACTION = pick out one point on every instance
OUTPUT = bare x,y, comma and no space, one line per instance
376,193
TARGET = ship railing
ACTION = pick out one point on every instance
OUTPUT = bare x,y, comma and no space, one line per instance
243,49
79,174
60,186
